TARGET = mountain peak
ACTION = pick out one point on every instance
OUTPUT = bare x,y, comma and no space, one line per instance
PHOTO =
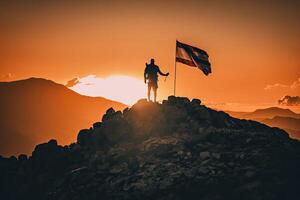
36,109
179,149
271,112
34,84
275,109
32,80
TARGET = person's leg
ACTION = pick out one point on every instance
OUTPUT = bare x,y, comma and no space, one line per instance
149,89
155,86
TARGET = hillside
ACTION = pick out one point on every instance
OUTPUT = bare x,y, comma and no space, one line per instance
265,113
35,110
275,117
287,122
176,150
291,125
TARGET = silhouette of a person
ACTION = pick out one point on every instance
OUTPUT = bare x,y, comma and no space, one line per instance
150,74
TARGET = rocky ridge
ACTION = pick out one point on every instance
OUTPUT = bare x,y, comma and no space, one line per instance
179,149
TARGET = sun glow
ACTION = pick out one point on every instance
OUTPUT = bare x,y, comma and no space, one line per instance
120,88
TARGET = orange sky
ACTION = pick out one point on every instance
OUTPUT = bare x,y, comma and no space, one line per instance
251,44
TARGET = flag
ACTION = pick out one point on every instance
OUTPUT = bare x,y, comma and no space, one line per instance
193,57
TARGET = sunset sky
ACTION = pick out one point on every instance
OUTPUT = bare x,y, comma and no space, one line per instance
254,46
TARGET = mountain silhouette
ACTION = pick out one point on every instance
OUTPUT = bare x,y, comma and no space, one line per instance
260,114
275,117
178,150
291,125
35,110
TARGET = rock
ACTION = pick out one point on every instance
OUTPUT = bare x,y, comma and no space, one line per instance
13,159
22,158
248,140
165,102
196,102
110,111
140,185
172,99
142,101
204,155
249,174
118,115
84,137
96,125
242,156
216,155
108,115
249,186
78,170
203,114
115,170
165,183
45,148
203,170
125,111
155,142
183,100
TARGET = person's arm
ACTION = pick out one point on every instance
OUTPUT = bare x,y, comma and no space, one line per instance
145,73
167,74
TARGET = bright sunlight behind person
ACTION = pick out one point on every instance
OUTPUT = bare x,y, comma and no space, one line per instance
120,88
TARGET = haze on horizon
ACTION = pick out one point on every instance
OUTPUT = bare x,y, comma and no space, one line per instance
253,45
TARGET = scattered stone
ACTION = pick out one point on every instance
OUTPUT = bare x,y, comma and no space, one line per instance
249,174
248,140
204,155
216,155
203,170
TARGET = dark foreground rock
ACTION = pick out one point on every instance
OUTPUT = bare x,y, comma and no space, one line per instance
175,150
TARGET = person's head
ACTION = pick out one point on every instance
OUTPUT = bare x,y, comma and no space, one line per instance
152,61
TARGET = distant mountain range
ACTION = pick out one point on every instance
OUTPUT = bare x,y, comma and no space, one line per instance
289,124
274,117
35,110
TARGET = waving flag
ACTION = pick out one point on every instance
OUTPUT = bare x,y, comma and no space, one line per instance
193,57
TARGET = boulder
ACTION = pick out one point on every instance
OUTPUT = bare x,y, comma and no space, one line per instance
196,102
97,125
22,158
172,100
204,155
45,148
84,137
108,115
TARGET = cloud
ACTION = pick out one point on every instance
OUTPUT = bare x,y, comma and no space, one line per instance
72,82
276,85
293,86
296,84
289,101
7,77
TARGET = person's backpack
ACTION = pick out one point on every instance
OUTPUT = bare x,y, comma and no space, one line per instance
150,71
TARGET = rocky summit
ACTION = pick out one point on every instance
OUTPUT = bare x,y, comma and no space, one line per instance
178,149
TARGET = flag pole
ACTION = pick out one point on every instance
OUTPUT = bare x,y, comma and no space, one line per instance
175,69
